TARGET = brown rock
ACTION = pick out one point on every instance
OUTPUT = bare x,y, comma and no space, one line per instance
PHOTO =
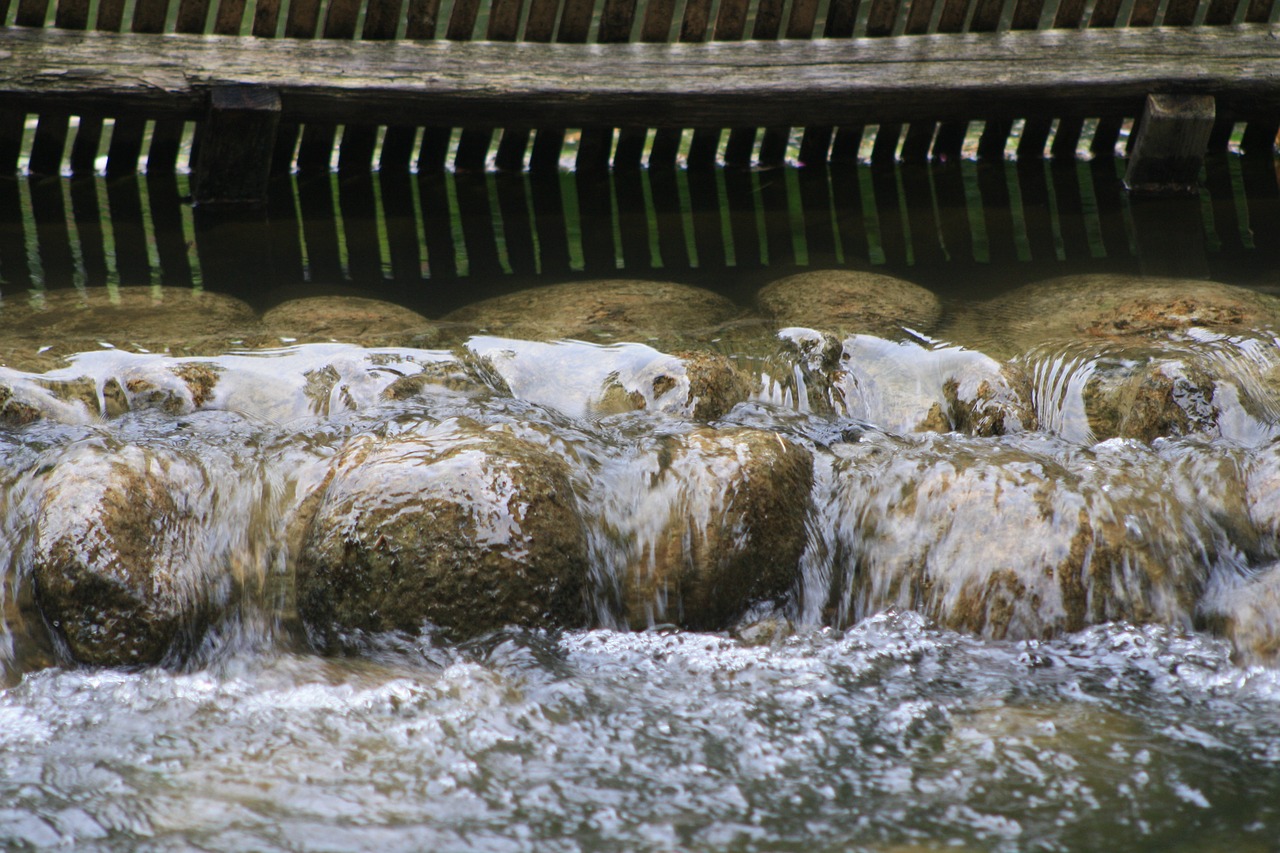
458,526
177,320
850,302
720,527
124,570
604,311
347,319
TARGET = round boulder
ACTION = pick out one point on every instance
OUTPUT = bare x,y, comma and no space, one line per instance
713,523
605,311
347,319
1110,308
126,570
1029,542
850,302
176,320
461,527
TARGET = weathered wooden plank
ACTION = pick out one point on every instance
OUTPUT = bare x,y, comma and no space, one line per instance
71,14
234,161
398,141
315,151
693,28
1046,73
1170,145
166,135
995,132
595,146
842,17
31,13
948,141
731,24
360,140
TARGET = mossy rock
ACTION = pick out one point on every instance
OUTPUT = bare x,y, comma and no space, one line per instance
124,569
459,527
1012,542
1110,308
50,325
719,528
1245,613
347,319
603,311
847,302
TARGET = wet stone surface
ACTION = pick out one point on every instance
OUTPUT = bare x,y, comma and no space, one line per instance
828,568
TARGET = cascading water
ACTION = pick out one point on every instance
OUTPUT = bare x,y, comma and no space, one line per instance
787,587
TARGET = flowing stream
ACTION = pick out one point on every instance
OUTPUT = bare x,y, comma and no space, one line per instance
1006,603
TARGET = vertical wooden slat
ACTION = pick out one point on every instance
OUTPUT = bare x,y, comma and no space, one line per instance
731,23
539,27
126,136
693,28
229,19
948,142
398,141
12,124
1106,13
800,23
575,22
266,18
360,140
31,13
995,133
653,29
1180,13
435,140
1066,140
51,129
300,23
842,15
742,140
315,151
166,135
84,149
616,19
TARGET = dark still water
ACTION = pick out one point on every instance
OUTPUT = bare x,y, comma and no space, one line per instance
861,509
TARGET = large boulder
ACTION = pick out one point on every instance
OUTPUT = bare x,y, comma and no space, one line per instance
702,526
347,319
1110,308
127,567
606,311
580,379
460,527
1018,542
846,302
45,328
901,386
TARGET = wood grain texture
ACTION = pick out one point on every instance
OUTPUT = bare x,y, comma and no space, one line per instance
1023,74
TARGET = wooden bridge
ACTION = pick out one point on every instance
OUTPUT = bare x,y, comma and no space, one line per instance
470,111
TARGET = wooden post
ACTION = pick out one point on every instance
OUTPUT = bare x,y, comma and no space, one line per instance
1171,143
234,160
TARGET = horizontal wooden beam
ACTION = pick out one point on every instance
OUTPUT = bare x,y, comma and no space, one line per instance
1048,74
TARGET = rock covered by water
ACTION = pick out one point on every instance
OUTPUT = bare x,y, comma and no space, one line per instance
131,558
905,386
703,525
465,528
348,319
1032,540
45,327
848,302
1111,308
604,311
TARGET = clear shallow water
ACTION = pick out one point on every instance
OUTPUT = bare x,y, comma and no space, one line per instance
884,732
892,735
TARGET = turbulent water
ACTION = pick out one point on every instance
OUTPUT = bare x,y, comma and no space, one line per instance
900,696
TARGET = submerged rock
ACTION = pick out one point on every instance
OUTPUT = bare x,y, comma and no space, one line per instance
901,386
45,327
703,526
1247,613
1110,308
604,311
581,380
1211,386
126,571
1018,542
347,319
465,528
848,302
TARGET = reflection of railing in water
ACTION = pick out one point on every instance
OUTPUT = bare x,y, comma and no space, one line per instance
401,236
